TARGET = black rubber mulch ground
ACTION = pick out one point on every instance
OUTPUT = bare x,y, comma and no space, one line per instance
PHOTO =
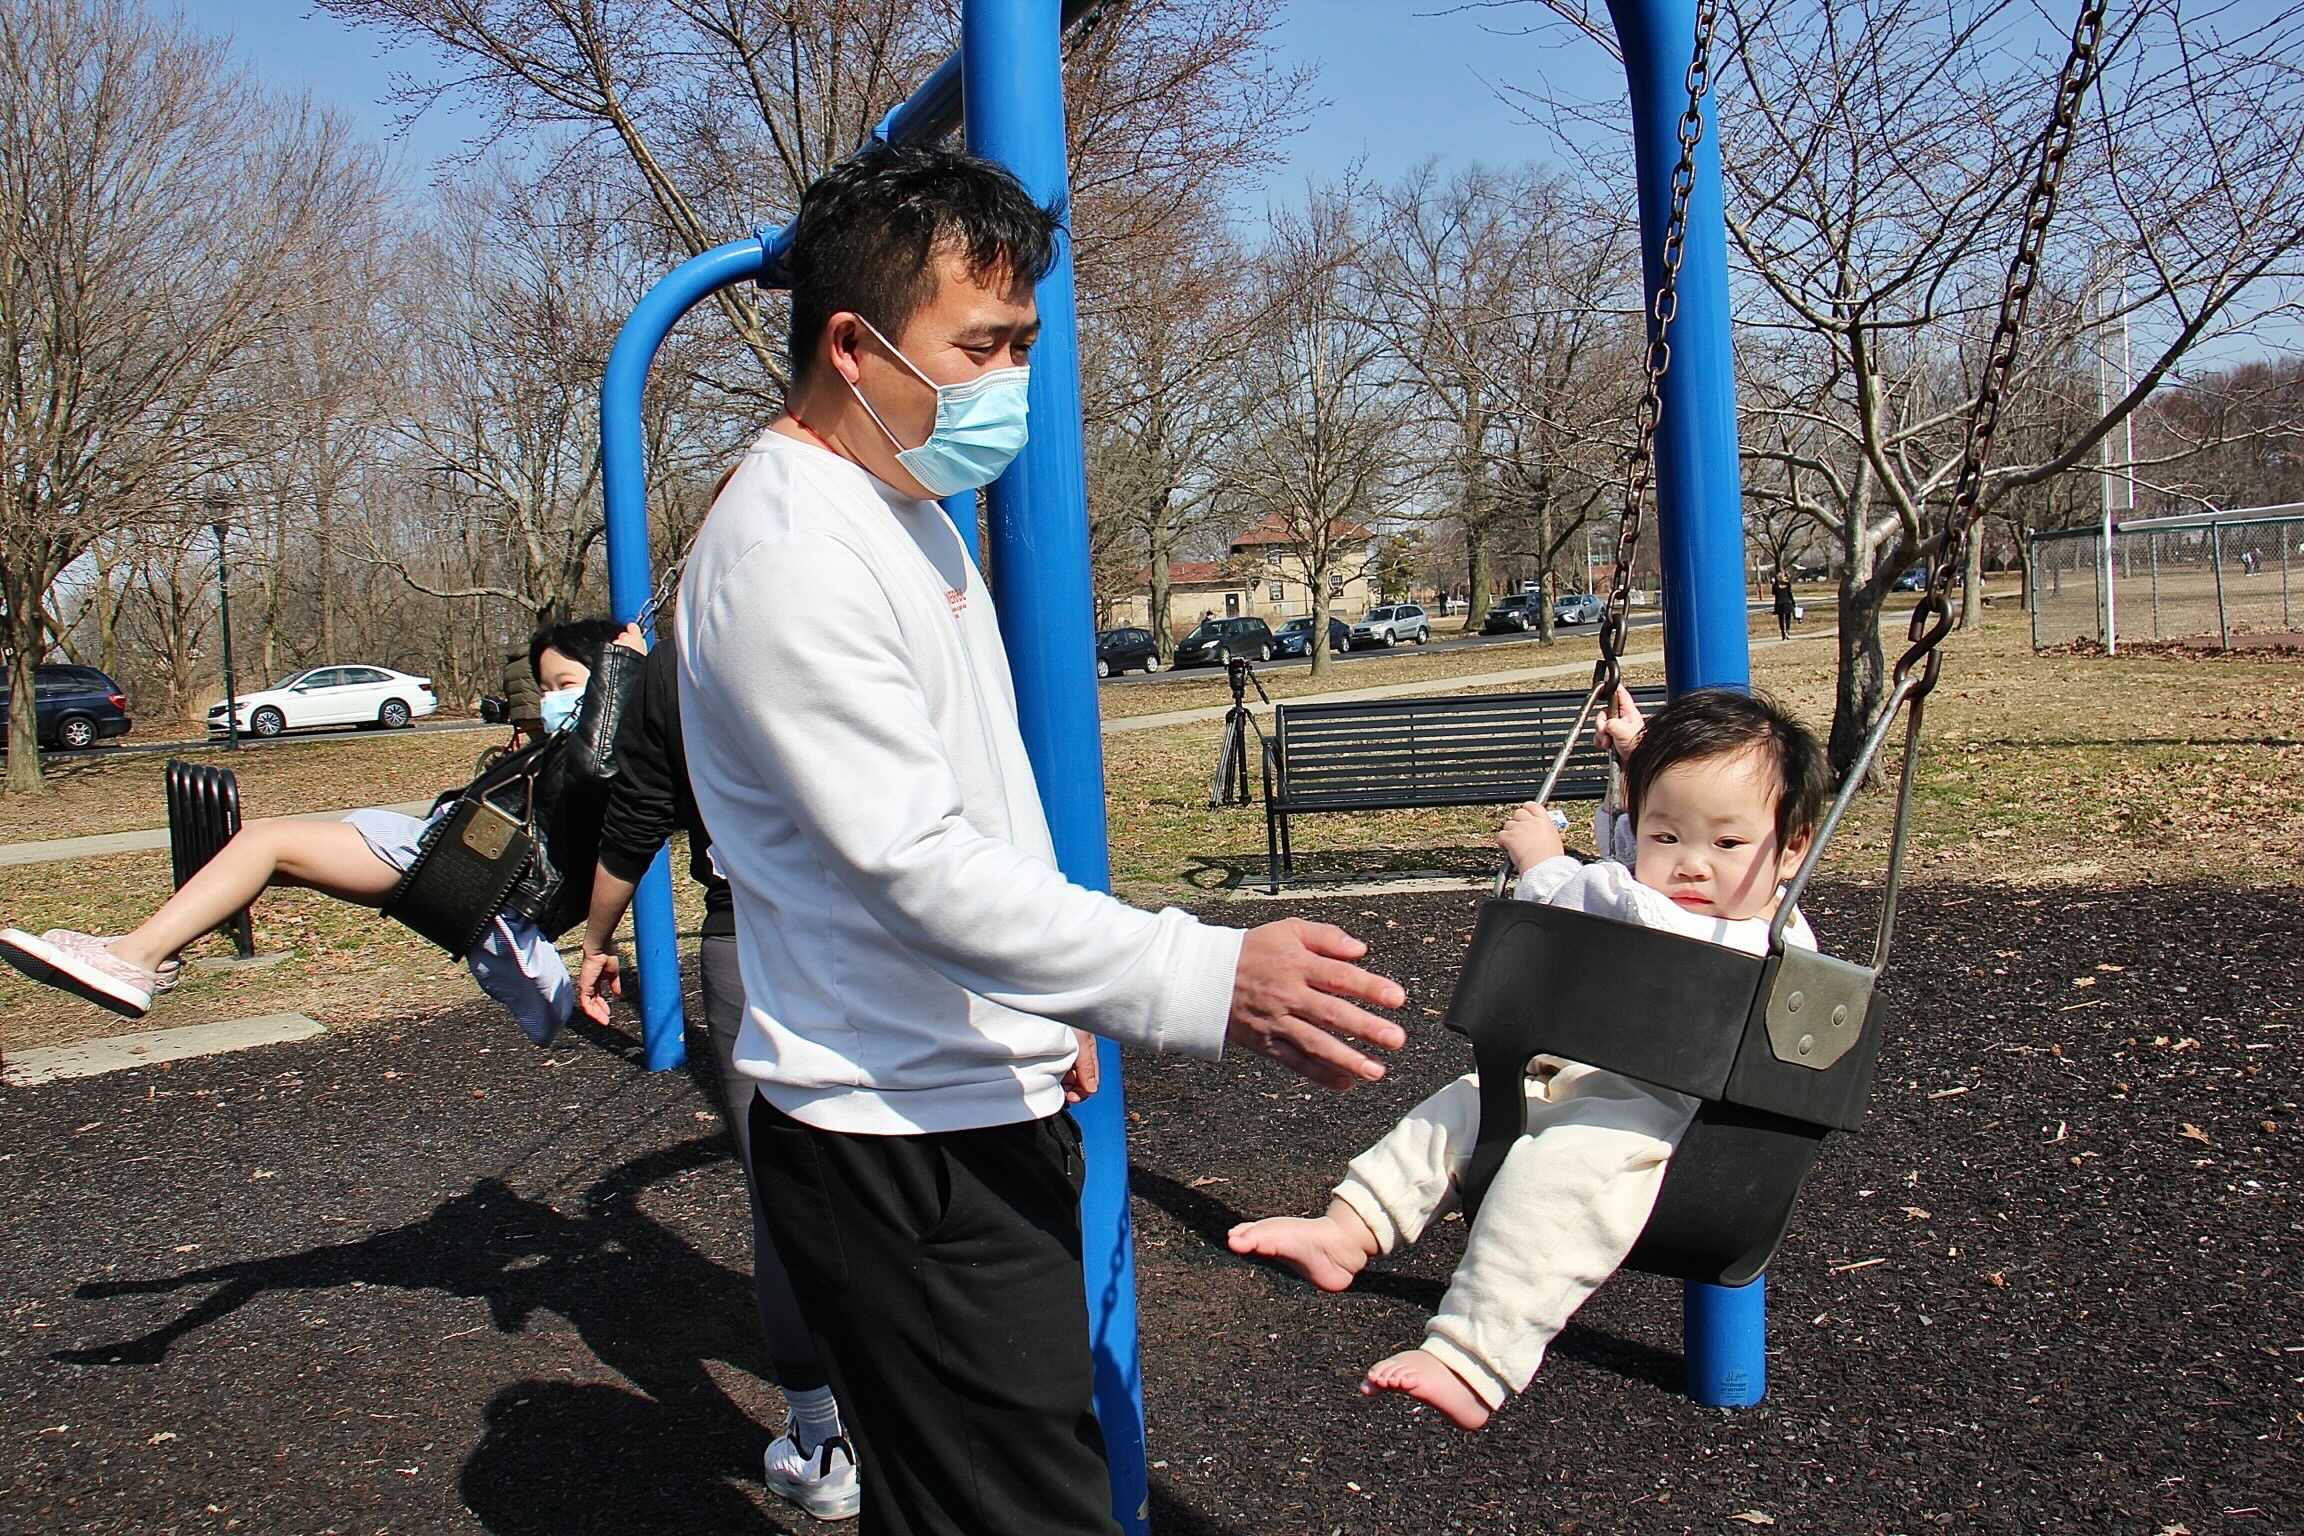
429,1279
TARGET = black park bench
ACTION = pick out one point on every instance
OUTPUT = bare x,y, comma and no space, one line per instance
1404,754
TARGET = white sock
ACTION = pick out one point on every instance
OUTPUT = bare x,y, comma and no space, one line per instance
815,1416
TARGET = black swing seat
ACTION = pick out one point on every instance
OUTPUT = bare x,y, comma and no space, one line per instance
1779,1047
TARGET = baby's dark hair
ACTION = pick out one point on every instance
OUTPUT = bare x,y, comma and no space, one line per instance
579,639
1722,722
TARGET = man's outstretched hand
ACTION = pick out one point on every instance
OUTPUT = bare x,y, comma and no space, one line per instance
1293,1000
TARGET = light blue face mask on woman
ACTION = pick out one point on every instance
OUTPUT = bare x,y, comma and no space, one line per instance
980,427
559,708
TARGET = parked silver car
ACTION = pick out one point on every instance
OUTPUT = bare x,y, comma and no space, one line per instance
1390,625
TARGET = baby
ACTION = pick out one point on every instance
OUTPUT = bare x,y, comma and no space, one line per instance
1724,790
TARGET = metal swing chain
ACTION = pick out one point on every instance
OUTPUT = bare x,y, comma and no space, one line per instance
1640,459
1916,670
1640,462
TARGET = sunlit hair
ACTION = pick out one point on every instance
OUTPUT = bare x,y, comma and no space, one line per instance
868,227
1723,722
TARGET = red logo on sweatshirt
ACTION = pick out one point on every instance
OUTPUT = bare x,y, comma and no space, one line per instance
956,600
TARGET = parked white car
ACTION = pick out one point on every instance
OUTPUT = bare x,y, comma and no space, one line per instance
325,696
1390,625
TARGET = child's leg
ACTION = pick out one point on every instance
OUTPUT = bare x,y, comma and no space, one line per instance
1564,1210
1390,1193
327,856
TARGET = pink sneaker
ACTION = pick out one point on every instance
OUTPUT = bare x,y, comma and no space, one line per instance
83,965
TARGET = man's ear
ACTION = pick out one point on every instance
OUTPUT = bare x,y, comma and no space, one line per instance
843,334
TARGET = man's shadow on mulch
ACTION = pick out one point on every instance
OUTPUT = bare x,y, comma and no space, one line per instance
1210,1219
555,1456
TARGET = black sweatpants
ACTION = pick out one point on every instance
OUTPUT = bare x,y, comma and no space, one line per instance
942,1273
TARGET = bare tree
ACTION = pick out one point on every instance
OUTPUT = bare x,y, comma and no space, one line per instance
1314,459
1876,155
2235,435
171,606
1498,296
513,315
1176,321
151,202
722,111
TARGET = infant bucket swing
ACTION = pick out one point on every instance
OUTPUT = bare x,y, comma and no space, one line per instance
1778,1047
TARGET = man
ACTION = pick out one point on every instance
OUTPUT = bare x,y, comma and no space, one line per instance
911,955
1786,607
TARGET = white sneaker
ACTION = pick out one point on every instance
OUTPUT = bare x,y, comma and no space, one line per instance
822,1481
83,965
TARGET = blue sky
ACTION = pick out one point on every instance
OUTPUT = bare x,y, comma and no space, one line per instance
1399,81
1398,86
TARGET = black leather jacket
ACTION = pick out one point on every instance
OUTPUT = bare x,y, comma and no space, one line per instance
560,785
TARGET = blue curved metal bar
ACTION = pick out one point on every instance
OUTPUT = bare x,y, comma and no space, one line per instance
624,491
1699,525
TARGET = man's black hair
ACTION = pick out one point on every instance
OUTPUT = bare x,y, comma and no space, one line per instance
578,639
1724,722
869,227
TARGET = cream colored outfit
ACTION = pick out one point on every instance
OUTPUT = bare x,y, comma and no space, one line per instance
1573,1195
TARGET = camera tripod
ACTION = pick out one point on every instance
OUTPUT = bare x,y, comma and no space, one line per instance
1230,786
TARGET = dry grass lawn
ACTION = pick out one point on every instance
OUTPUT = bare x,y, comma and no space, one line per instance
121,792
2063,770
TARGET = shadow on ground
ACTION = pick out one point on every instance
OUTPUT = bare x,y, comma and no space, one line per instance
1328,867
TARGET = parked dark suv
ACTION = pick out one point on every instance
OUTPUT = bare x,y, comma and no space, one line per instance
1214,641
79,706
1517,614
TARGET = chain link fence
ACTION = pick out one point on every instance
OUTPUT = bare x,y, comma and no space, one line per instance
2202,580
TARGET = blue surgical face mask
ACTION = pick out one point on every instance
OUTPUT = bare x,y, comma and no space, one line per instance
559,709
980,427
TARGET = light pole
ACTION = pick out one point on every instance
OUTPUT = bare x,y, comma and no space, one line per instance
216,505
2108,618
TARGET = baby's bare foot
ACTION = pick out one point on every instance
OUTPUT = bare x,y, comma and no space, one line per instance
1322,1249
1424,1378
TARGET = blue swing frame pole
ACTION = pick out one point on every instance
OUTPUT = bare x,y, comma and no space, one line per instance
1700,526
1011,52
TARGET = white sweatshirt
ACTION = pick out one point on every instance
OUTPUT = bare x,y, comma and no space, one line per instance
911,956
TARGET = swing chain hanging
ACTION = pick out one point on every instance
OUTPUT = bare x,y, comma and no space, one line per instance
1932,615
1640,459
1640,462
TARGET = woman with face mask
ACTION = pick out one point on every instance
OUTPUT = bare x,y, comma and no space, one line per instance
584,670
